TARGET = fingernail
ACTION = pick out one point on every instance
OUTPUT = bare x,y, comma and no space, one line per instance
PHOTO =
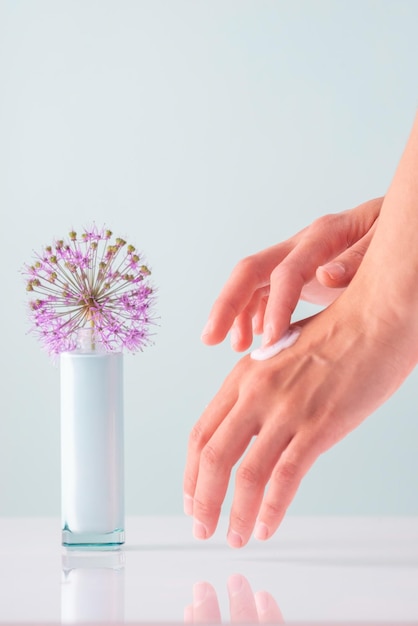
188,614
334,270
199,530
207,329
234,584
262,601
199,593
267,335
261,531
235,337
188,504
234,539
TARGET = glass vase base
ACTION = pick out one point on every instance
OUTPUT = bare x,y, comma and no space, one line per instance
93,541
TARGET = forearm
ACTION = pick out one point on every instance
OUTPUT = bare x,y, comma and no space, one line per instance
397,231
387,280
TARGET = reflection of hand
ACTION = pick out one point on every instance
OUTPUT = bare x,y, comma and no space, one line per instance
264,289
245,606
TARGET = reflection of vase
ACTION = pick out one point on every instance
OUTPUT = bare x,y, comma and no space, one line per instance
92,457
92,589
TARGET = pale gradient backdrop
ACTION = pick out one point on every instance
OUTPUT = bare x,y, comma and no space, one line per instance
202,130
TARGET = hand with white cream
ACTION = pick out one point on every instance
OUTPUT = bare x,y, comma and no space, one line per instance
274,417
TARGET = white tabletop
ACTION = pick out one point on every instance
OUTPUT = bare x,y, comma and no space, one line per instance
322,570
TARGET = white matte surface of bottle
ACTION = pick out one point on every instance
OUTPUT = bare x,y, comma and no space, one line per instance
92,450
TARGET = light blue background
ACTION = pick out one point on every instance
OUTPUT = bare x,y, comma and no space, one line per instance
202,131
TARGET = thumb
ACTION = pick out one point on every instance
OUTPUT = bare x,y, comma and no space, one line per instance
340,271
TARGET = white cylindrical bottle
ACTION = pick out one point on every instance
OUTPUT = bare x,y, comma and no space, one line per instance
92,450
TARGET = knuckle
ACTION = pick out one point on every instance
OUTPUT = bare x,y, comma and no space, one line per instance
272,510
323,223
240,521
196,437
247,264
211,457
289,276
248,476
189,484
229,305
356,253
206,509
286,473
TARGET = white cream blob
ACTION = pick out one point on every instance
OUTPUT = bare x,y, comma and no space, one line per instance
288,339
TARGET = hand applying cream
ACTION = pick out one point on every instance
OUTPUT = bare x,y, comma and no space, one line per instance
288,339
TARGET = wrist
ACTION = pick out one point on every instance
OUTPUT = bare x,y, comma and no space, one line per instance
384,308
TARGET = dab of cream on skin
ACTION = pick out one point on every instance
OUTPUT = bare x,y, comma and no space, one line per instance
288,339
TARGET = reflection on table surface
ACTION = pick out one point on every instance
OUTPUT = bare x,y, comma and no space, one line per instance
93,587
322,570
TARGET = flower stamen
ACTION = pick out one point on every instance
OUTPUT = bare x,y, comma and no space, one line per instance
88,281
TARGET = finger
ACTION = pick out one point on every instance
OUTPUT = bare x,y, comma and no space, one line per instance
340,271
292,466
258,319
317,293
249,275
188,614
326,238
288,339
200,434
241,601
267,609
242,329
287,281
251,478
205,608
217,458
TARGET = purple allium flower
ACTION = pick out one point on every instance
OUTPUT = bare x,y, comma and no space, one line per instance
90,282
